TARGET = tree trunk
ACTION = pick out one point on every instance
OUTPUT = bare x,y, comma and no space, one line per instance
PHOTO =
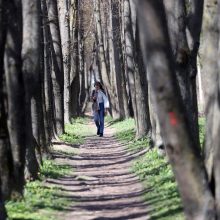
156,135
31,71
209,78
74,74
116,52
47,85
185,60
143,128
212,88
82,93
217,130
64,21
15,93
5,161
201,103
43,139
57,66
123,63
185,159
129,56
101,50
5,148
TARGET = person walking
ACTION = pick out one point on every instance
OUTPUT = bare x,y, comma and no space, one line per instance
100,106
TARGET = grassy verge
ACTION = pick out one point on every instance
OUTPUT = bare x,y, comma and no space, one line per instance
76,131
40,202
155,172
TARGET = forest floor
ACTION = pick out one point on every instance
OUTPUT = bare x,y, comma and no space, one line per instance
102,185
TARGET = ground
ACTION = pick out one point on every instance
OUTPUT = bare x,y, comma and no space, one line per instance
102,185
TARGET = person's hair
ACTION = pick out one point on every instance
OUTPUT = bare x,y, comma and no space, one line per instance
97,83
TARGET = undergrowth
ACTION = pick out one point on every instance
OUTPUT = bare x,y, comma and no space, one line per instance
76,131
40,201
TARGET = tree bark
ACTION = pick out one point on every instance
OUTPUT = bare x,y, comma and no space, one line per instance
81,49
43,139
185,50
143,118
211,78
101,49
129,56
4,136
210,73
216,134
47,85
115,67
57,66
15,94
185,159
123,63
64,21
31,72
74,74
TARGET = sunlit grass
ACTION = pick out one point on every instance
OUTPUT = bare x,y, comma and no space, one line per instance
157,176
126,134
40,201
53,170
77,131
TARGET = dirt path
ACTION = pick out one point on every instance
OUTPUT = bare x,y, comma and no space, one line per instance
103,186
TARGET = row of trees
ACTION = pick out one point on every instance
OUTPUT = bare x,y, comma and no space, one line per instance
41,62
118,61
159,88
144,51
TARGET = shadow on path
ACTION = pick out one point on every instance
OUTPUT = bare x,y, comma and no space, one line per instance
102,186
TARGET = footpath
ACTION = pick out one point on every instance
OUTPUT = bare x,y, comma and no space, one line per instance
102,185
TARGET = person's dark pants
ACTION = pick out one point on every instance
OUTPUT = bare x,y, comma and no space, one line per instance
99,119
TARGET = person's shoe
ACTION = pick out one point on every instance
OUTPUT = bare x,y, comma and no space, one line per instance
100,135
98,132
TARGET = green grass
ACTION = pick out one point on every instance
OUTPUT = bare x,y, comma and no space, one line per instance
76,131
155,172
158,177
53,170
126,134
40,201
